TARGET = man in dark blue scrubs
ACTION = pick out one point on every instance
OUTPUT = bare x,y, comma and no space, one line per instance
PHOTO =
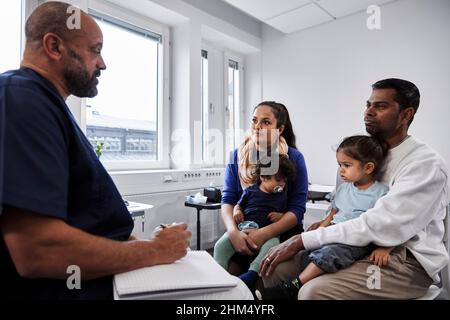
60,206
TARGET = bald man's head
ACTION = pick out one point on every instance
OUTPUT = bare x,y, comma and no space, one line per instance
65,47
50,17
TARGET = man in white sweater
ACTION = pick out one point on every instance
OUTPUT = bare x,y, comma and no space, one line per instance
410,217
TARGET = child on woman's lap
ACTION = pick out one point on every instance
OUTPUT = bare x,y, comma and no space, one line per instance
260,205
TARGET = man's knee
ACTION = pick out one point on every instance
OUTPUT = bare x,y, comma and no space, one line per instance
284,271
274,279
279,274
316,289
287,270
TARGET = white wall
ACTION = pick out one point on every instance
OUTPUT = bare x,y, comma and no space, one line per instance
253,85
185,92
324,74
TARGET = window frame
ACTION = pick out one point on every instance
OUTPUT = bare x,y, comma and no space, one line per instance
215,98
241,67
132,18
218,57
207,104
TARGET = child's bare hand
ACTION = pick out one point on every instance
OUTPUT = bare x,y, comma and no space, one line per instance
314,226
238,216
274,216
380,257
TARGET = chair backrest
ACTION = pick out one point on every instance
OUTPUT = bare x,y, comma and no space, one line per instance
441,291
445,273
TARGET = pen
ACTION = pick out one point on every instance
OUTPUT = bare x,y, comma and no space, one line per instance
163,226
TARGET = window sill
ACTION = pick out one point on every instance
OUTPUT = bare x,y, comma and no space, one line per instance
134,182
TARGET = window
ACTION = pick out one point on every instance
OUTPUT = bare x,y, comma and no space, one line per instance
126,114
205,105
234,105
11,26
222,101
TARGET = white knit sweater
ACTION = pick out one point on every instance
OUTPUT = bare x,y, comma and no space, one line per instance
411,213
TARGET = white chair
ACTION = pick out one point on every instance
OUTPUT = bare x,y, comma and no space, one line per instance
441,290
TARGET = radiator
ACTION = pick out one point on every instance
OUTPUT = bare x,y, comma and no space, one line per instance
169,207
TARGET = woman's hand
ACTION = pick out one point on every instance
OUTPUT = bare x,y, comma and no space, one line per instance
257,237
242,243
282,252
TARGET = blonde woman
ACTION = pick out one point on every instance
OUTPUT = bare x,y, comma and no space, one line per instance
271,129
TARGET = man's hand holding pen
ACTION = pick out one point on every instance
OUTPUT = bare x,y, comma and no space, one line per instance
174,241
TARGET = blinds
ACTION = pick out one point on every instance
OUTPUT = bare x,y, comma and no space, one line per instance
132,28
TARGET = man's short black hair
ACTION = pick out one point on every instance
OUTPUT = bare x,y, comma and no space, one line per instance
408,95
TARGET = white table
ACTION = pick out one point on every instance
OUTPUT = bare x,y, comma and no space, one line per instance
138,210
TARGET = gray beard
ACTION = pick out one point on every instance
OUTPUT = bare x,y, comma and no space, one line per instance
77,79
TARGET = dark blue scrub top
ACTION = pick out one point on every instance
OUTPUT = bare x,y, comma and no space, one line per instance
50,168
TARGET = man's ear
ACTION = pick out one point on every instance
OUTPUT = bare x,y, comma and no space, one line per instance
52,44
408,114
369,167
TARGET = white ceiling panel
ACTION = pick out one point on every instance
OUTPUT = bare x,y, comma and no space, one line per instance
294,15
301,18
266,9
340,8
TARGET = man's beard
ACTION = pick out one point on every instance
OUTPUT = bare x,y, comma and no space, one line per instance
383,133
374,132
77,78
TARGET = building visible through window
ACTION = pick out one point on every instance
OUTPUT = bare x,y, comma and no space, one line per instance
124,114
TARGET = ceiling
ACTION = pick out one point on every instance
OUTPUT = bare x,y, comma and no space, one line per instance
290,16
